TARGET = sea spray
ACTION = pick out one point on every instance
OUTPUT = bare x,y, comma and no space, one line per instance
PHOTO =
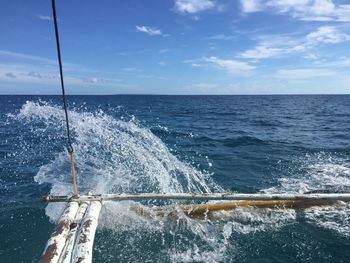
319,172
114,156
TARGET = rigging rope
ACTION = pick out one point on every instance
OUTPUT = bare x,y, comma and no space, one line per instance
70,149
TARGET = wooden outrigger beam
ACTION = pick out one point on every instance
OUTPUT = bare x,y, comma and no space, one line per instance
202,211
200,197
66,254
85,240
73,238
56,244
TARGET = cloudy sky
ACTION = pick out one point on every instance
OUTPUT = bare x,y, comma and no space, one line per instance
177,46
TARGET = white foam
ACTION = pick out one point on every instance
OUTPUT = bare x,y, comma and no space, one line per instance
335,218
111,155
251,220
116,156
321,171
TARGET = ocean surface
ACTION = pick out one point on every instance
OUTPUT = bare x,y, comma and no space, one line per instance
127,144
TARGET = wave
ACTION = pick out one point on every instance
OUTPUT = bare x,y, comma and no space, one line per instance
112,156
320,172
117,156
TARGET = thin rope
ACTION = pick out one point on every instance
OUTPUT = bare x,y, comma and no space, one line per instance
70,149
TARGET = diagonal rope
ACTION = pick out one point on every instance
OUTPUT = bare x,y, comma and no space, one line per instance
70,149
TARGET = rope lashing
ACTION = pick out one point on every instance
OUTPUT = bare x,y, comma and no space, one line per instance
71,154
70,146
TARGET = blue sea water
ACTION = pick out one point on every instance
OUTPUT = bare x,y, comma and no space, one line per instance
273,144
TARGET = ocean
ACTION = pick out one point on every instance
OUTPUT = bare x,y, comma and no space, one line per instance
128,144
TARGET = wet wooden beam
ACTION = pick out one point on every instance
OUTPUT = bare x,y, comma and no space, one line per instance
66,255
83,248
57,241
202,211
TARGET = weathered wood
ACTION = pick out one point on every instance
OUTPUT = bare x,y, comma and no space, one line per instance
66,255
72,240
58,238
205,196
202,211
82,252
207,210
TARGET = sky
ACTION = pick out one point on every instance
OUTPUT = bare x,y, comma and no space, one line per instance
176,47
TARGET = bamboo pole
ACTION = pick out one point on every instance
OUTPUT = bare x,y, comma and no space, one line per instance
82,252
71,243
201,197
202,211
66,255
58,238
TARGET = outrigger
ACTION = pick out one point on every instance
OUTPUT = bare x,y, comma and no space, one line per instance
73,237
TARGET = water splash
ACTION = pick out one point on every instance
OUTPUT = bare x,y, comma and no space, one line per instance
114,156
320,171
334,218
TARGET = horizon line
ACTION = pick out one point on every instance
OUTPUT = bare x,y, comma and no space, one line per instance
163,94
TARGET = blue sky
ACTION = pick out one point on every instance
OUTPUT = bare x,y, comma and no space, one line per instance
177,47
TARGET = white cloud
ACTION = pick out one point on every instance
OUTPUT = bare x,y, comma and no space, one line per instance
43,17
164,50
308,10
130,69
145,76
276,46
31,74
221,37
37,60
43,75
250,6
204,86
230,65
262,51
26,74
343,62
152,31
196,65
32,71
304,73
326,34
93,80
193,6
26,57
